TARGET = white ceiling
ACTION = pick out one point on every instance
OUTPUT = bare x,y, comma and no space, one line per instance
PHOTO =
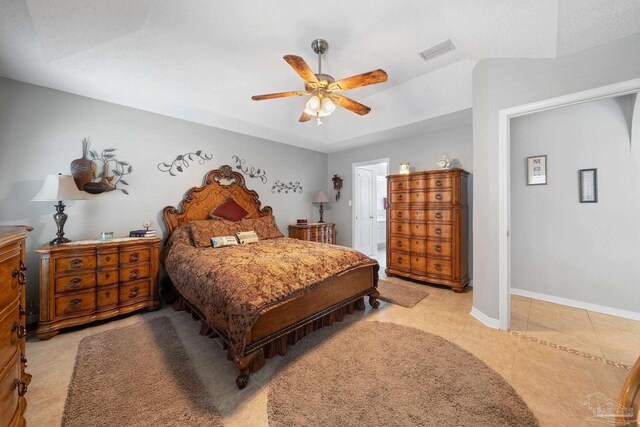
201,60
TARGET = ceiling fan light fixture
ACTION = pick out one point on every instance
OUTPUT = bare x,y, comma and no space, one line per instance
313,105
328,106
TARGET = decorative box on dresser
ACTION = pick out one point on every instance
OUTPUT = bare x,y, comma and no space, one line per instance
315,232
13,379
427,227
82,282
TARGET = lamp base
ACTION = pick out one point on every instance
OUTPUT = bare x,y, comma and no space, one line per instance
58,241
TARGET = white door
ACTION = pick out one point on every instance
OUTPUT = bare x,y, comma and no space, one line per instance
364,212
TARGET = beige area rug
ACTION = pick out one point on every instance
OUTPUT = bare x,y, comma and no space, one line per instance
396,293
382,374
138,375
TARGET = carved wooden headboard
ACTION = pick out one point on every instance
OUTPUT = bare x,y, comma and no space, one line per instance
200,201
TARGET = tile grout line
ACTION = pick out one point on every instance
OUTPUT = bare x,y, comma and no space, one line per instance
570,350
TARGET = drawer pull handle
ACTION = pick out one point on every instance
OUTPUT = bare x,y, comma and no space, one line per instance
399,196
106,294
438,248
438,267
22,266
21,310
22,331
399,214
438,215
75,283
418,212
400,260
438,196
75,303
75,264
399,243
438,231
134,274
22,278
23,359
438,183
134,292
108,258
134,257
399,228
399,185
15,273
22,387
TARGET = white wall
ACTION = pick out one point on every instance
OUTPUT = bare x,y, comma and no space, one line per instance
504,83
41,132
422,151
582,251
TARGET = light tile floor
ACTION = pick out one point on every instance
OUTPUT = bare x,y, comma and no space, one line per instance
554,383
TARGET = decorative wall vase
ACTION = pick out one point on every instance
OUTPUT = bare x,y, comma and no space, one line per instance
111,174
94,187
82,169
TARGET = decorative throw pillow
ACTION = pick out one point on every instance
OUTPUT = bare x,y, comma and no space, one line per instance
265,227
203,231
221,242
247,237
229,210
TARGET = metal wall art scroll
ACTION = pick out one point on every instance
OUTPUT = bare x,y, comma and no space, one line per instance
182,161
99,173
280,187
251,172
537,170
588,185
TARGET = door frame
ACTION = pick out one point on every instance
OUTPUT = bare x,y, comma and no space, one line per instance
504,189
354,194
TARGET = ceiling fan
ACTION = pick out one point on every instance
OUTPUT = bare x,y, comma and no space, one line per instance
323,88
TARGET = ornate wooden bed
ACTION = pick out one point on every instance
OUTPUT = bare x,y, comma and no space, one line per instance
284,324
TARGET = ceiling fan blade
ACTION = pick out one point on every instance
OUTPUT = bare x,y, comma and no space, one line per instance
364,79
301,67
278,95
304,117
350,104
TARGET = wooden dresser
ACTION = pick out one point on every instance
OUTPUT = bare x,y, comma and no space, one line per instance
315,232
13,379
81,282
427,227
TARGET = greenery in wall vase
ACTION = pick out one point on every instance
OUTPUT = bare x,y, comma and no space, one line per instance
111,173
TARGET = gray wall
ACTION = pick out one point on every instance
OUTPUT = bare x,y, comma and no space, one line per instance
421,151
582,251
504,83
41,132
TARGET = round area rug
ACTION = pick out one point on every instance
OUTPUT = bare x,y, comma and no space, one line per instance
383,374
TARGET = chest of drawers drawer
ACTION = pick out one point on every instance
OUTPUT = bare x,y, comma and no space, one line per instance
399,227
10,273
439,196
11,333
418,245
438,182
133,292
400,260
75,304
442,231
398,197
135,272
439,215
74,263
438,267
438,248
400,184
399,214
133,255
9,397
75,282
399,243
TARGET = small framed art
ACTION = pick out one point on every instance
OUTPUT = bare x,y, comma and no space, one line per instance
589,185
537,170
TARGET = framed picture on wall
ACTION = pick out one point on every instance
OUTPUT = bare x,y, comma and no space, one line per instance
537,170
589,185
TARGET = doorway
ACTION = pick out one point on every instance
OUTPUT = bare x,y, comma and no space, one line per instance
369,219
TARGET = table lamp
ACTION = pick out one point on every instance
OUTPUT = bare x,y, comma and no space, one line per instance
58,188
321,197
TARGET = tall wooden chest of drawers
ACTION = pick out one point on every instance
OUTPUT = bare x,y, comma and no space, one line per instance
315,232
427,227
13,379
86,281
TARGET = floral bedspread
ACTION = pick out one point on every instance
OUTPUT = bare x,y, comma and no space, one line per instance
231,286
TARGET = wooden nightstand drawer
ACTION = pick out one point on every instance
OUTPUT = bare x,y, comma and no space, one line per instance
75,282
128,256
75,304
322,232
108,277
134,273
108,259
134,292
68,264
107,297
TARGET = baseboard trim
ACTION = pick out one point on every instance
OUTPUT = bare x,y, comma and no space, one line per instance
633,315
484,319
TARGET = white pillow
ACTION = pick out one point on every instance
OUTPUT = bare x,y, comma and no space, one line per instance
247,237
221,242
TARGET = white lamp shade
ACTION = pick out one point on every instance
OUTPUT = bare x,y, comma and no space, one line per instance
58,187
321,197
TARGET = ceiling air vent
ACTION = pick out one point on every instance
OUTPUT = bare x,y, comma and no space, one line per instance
437,50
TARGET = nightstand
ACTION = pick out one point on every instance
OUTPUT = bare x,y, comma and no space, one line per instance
315,232
85,281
